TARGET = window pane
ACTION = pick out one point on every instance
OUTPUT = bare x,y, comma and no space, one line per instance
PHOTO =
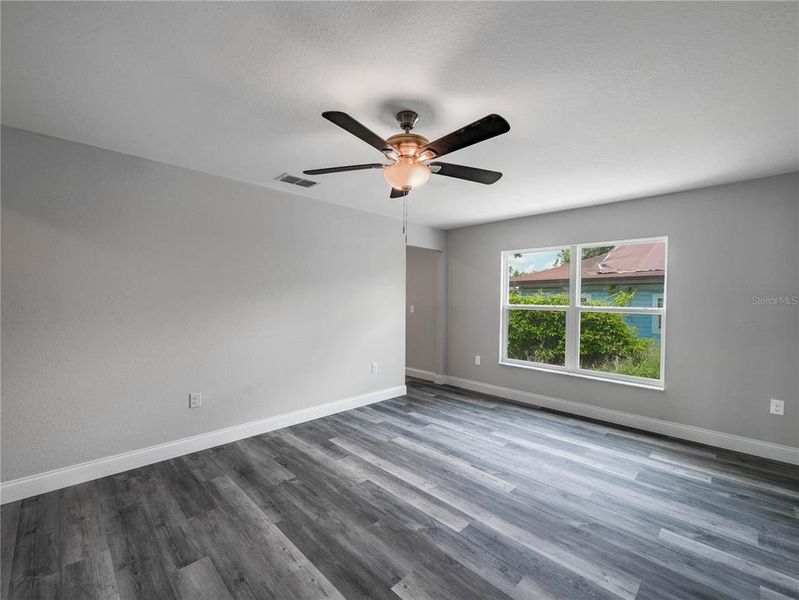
537,336
539,277
623,275
623,343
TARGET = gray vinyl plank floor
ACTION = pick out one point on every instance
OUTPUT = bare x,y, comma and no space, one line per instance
440,494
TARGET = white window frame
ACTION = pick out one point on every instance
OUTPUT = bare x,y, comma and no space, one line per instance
573,311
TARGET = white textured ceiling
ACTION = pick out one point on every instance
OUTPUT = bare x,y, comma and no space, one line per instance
606,101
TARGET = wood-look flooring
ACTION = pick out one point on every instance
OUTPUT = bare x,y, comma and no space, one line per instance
441,494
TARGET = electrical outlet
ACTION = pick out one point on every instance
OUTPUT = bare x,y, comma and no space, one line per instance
777,407
477,359
195,400
412,308
375,368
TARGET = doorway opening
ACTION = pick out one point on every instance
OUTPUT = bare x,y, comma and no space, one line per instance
425,316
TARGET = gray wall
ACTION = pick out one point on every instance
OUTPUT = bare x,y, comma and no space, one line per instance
127,284
424,236
425,278
725,355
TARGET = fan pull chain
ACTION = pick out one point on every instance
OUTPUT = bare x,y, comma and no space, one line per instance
405,218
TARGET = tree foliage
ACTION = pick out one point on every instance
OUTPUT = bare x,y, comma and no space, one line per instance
513,272
564,256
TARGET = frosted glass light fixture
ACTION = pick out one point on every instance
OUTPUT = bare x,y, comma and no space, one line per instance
407,173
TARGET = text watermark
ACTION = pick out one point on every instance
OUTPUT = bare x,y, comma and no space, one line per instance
776,300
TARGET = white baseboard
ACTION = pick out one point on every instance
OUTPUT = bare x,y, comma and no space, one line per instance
24,487
49,481
426,375
789,454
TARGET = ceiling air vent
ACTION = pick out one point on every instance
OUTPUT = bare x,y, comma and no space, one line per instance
286,178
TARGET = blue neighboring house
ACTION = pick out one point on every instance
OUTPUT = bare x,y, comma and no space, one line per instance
639,268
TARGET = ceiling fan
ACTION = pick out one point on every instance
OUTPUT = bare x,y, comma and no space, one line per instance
413,156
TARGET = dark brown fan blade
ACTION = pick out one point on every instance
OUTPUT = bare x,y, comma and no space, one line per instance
395,193
468,173
347,123
342,169
479,131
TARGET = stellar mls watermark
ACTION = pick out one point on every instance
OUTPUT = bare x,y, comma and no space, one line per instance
776,300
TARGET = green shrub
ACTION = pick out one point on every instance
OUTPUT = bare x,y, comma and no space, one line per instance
537,335
607,342
647,366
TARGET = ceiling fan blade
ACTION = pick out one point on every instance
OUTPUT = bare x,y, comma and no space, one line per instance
468,173
343,169
479,131
347,123
395,193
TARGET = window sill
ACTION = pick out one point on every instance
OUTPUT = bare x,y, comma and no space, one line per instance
657,387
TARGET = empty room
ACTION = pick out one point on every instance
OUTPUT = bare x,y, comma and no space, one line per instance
399,300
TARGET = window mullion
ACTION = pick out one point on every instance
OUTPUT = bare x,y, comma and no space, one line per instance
641,310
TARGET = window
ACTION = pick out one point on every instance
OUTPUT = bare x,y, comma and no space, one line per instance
601,316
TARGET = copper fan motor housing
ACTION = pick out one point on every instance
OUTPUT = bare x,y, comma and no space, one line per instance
408,144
